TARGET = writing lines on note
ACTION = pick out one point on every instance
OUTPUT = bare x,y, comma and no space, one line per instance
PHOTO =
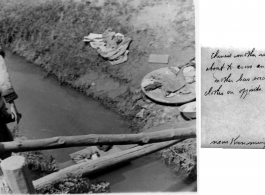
222,55
224,66
233,73
238,141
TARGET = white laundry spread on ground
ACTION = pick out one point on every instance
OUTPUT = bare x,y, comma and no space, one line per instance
110,45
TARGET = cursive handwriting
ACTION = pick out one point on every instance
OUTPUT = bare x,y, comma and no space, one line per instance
244,67
216,55
250,53
226,79
214,92
237,141
247,54
234,76
258,79
212,68
218,142
242,78
244,92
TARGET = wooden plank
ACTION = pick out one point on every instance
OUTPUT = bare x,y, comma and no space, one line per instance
101,139
126,147
158,58
99,164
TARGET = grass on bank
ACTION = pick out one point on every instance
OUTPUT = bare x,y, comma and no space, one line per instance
52,33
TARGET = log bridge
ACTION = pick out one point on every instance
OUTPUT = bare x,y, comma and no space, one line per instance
147,143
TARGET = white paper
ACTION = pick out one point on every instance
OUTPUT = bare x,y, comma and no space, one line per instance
233,98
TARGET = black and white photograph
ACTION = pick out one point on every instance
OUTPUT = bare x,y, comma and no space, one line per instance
97,96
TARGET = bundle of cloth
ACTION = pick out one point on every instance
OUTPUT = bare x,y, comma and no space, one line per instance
170,84
110,45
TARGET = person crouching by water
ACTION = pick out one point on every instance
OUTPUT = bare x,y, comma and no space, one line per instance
7,96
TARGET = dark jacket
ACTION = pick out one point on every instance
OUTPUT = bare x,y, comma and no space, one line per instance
7,93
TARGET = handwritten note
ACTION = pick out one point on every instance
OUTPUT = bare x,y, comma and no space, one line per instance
233,98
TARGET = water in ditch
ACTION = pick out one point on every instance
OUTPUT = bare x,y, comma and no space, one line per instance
52,110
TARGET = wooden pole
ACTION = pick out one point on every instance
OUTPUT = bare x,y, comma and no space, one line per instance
101,163
17,176
98,139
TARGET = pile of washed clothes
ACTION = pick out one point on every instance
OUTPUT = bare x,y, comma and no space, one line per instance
110,45
172,82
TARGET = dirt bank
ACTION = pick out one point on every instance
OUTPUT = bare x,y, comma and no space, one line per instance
50,33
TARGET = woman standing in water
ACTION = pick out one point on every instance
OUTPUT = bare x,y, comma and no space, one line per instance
7,95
